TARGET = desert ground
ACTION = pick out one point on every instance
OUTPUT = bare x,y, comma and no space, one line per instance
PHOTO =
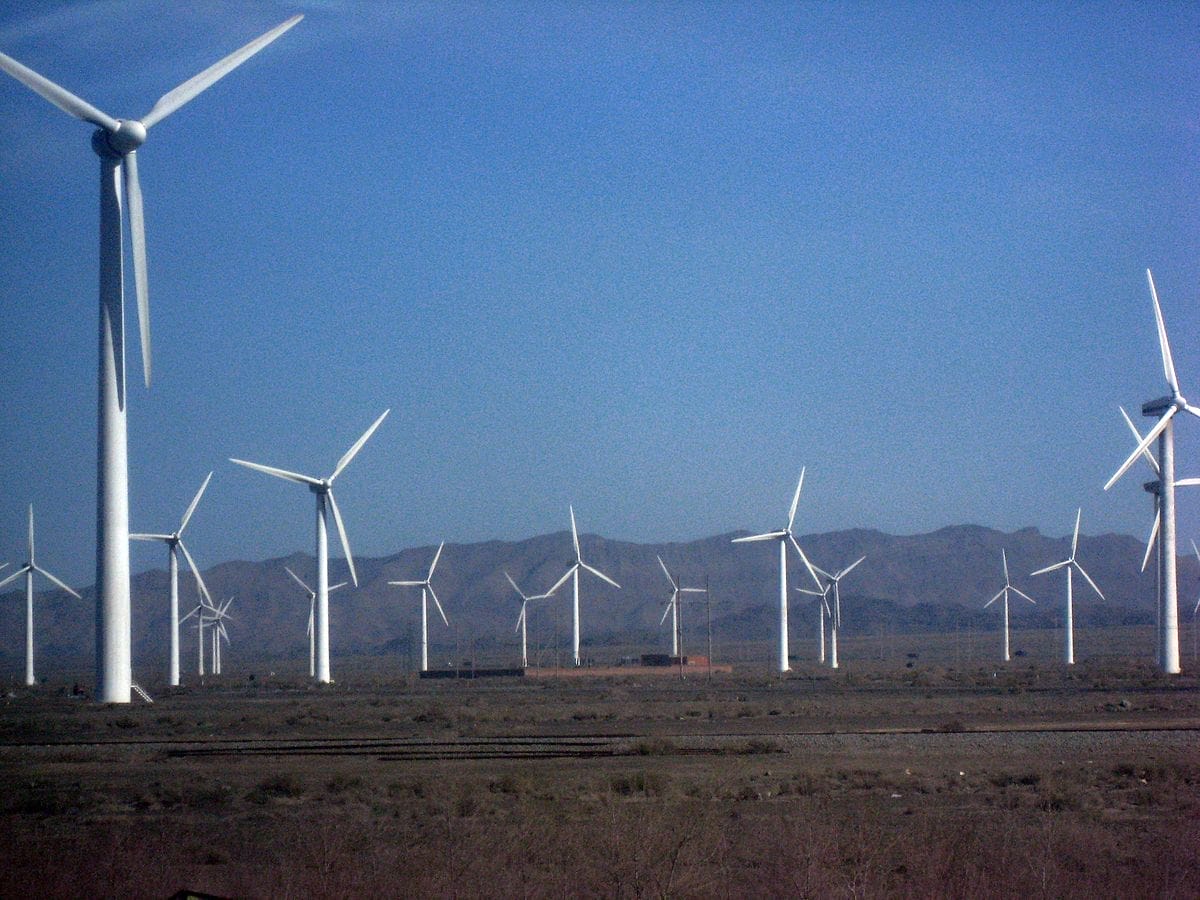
894,776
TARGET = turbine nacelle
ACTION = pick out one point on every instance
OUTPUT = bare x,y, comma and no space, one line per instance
128,137
1157,407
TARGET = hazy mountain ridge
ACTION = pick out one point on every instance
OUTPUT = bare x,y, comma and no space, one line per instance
911,582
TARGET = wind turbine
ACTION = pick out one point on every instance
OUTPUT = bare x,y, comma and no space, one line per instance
673,607
198,611
1003,592
824,610
836,616
784,535
425,585
322,488
573,573
27,570
523,618
217,626
1165,408
312,606
174,543
1071,563
116,142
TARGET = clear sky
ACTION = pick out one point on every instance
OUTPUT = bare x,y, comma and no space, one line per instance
649,259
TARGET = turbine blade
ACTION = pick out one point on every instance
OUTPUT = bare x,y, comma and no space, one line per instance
520,618
1004,560
137,242
1146,442
334,587
804,559
1194,550
575,534
436,557
1089,580
1153,537
31,554
407,583
664,615
999,594
438,604
296,578
1187,482
769,536
665,572
15,575
358,445
692,591
1057,565
515,588
1137,436
599,574
187,516
59,96
200,585
341,530
560,581
278,473
1075,538
65,587
795,501
151,537
1021,593
846,571
1163,345
172,100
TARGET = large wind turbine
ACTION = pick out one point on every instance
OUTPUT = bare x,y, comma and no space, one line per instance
673,606
174,542
116,142
27,570
322,488
523,618
573,573
426,586
1003,592
1071,563
784,536
836,613
1165,408
312,610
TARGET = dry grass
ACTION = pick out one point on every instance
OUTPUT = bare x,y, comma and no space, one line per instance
743,787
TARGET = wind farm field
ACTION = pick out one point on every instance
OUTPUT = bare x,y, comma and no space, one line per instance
890,777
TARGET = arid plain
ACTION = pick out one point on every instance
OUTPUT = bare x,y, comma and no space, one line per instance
895,776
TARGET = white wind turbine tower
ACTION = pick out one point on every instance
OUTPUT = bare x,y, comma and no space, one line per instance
673,606
116,142
836,615
784,536
312,607
1003,592
322,488
1163,430
573,573
1071,563
175,545
426,586
199,611
523,618
27,570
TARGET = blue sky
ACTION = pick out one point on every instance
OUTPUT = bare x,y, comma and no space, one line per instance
649,259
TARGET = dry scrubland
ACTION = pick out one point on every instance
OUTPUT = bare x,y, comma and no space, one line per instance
878,780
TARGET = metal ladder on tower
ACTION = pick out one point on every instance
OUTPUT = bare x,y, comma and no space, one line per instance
141,693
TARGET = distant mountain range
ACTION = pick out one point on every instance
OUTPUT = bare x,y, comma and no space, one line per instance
924,582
